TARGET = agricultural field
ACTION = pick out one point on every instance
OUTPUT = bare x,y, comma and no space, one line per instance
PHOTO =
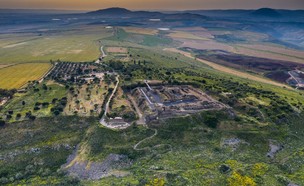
271,52
185,35
16,76
230,70
117,50
70,45
206,45
197,31
143,31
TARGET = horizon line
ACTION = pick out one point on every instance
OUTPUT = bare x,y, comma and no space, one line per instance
79,10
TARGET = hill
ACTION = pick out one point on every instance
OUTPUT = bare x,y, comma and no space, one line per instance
266,12
111,11
120,12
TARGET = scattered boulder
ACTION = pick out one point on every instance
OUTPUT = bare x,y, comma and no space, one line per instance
274,148
96,170
224,169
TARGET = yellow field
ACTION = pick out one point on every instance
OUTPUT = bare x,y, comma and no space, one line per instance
18,75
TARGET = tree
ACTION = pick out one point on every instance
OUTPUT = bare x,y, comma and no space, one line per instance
44,87
8,117
36,108
2,123
18,115
32,117
56,112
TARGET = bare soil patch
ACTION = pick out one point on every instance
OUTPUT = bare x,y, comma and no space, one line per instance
117,50
140,30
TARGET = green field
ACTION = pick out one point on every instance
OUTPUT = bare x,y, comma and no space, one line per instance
18,75
70,45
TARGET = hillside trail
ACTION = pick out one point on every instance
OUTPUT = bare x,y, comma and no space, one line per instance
148,138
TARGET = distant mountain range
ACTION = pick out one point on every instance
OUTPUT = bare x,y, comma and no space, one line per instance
190,14
122,12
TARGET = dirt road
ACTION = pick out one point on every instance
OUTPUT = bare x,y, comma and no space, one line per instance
141,119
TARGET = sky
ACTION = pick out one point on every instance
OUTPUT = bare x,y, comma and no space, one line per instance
151,4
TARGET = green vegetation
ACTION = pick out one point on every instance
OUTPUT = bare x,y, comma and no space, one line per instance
156,40
38,101
40,147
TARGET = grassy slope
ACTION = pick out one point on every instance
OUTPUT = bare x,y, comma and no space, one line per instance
40,148
187,152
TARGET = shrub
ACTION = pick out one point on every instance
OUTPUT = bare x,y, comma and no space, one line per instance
211,121
56,112
237,179
36,108
32,117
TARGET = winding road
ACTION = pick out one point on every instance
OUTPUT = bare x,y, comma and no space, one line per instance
103,55
102,51
102,120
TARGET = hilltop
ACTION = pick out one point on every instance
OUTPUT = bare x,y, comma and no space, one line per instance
266,12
